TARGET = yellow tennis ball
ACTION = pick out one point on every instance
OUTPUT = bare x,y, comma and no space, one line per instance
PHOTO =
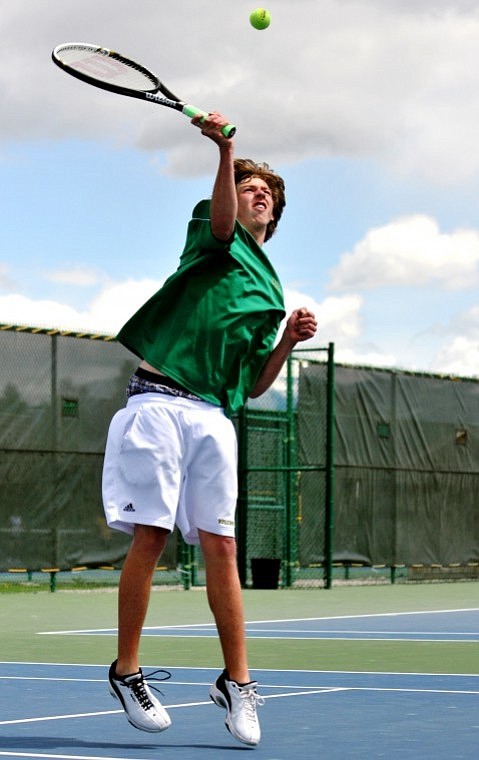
260,18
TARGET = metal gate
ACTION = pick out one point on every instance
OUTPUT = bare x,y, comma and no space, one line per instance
275,534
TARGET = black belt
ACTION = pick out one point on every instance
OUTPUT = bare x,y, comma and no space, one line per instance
154,377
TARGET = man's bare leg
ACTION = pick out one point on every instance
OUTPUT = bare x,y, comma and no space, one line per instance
233,690
225,600
126,680
134,593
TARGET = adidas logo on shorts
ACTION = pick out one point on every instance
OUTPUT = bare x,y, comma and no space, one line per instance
129,508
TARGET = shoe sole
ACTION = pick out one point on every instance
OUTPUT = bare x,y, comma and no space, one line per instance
130,720
218,697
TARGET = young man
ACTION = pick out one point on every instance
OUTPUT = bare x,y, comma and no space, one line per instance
205,343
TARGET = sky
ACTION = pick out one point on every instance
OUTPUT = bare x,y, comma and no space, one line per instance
369,110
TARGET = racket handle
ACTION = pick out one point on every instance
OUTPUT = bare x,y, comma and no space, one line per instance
228,130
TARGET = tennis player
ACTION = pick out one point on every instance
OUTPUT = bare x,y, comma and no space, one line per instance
206,342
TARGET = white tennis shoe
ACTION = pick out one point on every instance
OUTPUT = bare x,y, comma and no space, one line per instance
142,709
240,702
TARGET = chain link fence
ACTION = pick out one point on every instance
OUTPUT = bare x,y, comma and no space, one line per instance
58,392
405,465
285,476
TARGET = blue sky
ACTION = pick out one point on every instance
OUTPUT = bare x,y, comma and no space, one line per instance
367,109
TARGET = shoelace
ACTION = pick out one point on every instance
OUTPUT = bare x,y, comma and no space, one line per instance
138,687
251,699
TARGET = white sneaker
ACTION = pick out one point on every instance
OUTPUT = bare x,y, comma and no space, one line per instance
240,703
142,709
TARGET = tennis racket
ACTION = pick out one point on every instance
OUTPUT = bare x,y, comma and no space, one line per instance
111,71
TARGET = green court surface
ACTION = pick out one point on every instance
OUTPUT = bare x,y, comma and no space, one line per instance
25,616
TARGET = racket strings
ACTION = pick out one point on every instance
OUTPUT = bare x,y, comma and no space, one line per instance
109,68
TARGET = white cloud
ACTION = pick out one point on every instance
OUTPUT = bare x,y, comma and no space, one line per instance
117,302
359,78
106,313
78,276
460,357
411,251
338,317
365,358
391,82
459,352
19,310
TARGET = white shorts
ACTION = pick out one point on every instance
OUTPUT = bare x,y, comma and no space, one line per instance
171,460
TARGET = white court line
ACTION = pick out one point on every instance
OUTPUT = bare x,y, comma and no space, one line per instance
56,664
343,630
342,635
286,695
205,684
62,756
320,636
301,688
278,620
54,678
91,714
58,717
282,637
173,668
321,690
413,691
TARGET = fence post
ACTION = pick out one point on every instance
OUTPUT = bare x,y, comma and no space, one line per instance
185,551
289,548
329,521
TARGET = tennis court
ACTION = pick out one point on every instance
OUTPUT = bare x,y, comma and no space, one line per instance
355,672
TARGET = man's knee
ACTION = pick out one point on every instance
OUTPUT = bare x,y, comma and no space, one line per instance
149,539
215,545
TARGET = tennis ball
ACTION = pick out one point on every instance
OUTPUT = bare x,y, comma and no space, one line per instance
260,18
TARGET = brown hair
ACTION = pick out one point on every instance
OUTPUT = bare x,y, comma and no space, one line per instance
245,168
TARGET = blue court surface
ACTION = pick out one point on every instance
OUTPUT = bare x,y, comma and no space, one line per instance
64,711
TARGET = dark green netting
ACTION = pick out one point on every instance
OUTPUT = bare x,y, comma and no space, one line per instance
406,465
57,396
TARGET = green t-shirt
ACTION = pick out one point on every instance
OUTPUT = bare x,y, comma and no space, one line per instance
212,325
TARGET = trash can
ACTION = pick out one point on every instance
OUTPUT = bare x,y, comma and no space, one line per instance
265,572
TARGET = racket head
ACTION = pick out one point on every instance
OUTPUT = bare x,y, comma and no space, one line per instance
108,69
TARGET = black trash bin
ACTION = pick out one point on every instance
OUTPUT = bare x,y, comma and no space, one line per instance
265,572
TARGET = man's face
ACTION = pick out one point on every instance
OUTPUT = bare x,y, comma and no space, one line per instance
255,204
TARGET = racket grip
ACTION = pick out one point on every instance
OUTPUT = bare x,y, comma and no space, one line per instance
228,130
